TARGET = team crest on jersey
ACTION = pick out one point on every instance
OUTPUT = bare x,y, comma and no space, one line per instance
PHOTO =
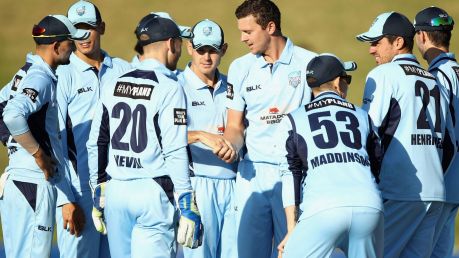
294,78
31,93
16,81
81,11
230,91
133,91
179,116
207,31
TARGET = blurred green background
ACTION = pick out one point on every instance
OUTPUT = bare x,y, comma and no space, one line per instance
321,26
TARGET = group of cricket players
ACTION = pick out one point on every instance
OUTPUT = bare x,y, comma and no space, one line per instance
128,159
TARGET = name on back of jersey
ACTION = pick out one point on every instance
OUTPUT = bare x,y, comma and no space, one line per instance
426,139
133,91
416,70
329,102
128,162
338,157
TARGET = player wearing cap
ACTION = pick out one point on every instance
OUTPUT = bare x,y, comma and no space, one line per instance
36,176
213,179
79,86
329,156
263,86
433,28
410,111
138,139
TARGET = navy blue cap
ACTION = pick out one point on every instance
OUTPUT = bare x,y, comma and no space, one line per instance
326,67
433,19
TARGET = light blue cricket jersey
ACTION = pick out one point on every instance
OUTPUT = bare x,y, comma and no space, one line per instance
266,92
446,69
331,150
410,110
135,62
32,106
206,111
139,128
79,88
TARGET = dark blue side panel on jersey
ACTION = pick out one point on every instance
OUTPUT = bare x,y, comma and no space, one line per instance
448,151
150,75
375,152
37,125
4,132
297,158
157,129
102,147
390,123
29,190
71,148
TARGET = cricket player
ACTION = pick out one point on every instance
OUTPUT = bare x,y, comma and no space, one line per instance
36,177
433,28
330,157
410,111
138,139
263,86
212,179
80,85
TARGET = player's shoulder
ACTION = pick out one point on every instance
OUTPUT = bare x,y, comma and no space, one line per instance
387,71
244,62
121,63
303,53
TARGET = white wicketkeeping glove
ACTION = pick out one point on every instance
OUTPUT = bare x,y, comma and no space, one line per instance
190,228
98,198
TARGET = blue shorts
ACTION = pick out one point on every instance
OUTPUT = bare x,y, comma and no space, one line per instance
444,231
28,211
90,243
215,200
358,229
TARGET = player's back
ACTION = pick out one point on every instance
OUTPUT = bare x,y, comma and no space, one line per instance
331,136
143,109
410,110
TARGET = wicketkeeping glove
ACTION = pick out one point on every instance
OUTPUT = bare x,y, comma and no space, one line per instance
190,229
98,198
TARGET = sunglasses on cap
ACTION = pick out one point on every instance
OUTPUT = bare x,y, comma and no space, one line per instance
441,21
38,31
347,78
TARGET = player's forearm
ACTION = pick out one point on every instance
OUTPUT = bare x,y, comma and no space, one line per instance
235,135
194,136
291,213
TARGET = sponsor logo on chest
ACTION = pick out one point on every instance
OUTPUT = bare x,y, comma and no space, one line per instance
252,88
84,89
197,103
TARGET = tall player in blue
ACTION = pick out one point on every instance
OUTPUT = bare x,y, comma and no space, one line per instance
36,177
80,85
263,86
212,179
328,159
138,139
410,111
433,28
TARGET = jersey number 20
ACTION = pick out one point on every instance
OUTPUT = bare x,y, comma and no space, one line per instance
138,140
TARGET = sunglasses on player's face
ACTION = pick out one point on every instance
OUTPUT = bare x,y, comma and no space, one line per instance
442,21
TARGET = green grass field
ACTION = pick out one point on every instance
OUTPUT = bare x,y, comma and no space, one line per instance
321,26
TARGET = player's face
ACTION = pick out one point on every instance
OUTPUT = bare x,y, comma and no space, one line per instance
252,34
173,55
206,59
91,45
383,51
64,49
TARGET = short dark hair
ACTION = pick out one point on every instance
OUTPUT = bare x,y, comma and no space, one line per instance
264,12
407,41
440,38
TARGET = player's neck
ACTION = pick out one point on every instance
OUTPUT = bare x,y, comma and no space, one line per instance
274,51
94,59
209,79
47,58
433,52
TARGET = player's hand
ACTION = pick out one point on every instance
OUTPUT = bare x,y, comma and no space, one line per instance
45,163
98,198
73,218
190,229
220,146
281,246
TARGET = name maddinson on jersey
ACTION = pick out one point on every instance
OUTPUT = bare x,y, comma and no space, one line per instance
426,139
339,157
128,162
329,102
133,91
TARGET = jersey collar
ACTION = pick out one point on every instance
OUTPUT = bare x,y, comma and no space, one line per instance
195,82
37,60
83,66
285,58
405,57
151,64
443,56
325,94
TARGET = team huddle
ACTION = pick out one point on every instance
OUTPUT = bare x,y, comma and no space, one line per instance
129,159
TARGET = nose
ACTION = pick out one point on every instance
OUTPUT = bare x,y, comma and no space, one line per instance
243,37
372,50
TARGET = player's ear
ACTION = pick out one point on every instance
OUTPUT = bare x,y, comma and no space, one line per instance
399,43
56,45
223,50
189,47
101,28
271,28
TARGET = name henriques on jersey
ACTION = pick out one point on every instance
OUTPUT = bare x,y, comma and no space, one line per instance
327,148
411,113
139,130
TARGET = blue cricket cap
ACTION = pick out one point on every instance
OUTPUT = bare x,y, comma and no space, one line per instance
391,23
326,67
207,33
